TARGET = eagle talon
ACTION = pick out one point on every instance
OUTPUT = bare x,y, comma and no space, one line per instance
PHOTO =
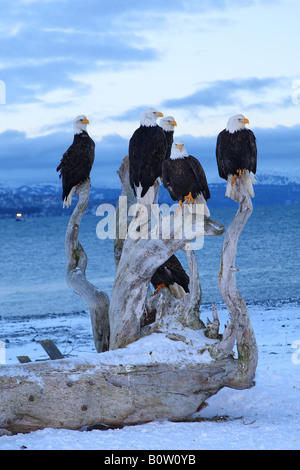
158,289
189,197
234,179
179,207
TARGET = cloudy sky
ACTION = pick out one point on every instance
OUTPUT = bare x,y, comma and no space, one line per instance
198,60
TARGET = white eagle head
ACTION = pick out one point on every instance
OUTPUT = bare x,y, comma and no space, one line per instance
178,150
80,124
236,123
168,123
149,117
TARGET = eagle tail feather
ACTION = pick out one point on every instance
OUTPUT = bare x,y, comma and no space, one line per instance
200,199
177,290
68,200
247,179
148,198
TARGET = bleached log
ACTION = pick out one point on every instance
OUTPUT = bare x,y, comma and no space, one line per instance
97,301
70,393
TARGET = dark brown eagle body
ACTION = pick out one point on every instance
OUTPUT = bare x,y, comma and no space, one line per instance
147,151
169,274
76,163
169,138
182,176
236,151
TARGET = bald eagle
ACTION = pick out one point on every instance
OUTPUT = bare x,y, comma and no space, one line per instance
184,177
171,275
236,154
147,150
167,124
76,163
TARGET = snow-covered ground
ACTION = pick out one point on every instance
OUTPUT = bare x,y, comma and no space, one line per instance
266,416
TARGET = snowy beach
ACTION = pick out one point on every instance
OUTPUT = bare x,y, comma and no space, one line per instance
265,417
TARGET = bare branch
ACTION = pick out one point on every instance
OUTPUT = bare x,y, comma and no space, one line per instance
97,301
240,328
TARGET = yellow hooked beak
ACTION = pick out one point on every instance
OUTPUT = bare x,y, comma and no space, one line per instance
245,121
179,146
174,123
85,121
159,114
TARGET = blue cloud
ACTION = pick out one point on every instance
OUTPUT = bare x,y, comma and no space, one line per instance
223,92
25,160
37,63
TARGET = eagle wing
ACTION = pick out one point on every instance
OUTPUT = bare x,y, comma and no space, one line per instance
153,159
169,273
220,156
178,273
200,176
76,164
166,169
253,151
147,151
135,160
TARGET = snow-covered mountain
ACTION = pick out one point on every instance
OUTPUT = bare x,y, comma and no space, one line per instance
41,200
45,199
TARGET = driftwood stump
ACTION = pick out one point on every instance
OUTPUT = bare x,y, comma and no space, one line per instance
107,387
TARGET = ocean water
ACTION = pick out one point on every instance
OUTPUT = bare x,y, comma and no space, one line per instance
32,261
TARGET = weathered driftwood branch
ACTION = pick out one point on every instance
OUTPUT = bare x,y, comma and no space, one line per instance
97,301
140,259
239,330
188,309
128,201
